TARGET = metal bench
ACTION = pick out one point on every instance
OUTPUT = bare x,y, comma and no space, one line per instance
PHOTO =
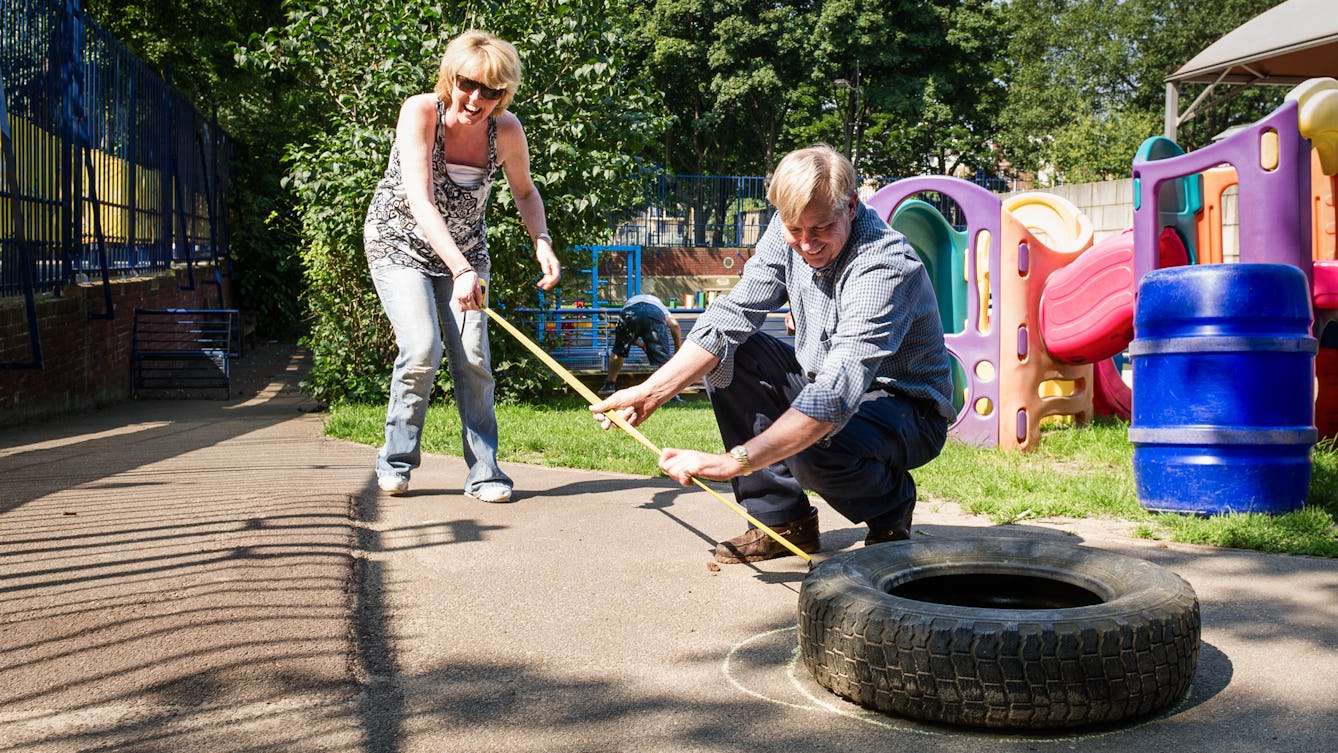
184,349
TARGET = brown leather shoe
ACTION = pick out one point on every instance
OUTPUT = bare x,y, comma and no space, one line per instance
898,531
755,546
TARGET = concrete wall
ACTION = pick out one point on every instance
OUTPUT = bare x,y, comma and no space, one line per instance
86,362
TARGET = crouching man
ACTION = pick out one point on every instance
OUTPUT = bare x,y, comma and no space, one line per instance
862,397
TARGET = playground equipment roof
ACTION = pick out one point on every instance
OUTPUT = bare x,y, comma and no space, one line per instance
1283,46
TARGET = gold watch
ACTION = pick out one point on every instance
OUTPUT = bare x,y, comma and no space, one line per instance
740,454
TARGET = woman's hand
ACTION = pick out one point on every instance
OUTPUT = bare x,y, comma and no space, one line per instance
548,263
467,294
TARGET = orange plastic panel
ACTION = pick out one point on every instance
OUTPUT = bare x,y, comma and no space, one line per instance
1215,184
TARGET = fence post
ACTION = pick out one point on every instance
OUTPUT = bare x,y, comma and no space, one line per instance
23,252
71,179
82,143
166,191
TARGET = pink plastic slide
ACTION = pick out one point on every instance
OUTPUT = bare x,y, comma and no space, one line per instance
1087,312
1087,307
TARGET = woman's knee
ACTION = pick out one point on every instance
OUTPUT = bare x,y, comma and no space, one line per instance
420,353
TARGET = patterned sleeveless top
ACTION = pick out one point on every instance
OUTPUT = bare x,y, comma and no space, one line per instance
390,234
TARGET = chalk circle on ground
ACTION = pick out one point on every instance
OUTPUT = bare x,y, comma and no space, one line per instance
1002,633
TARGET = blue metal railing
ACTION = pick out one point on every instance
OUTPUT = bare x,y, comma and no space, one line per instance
699,211
116,172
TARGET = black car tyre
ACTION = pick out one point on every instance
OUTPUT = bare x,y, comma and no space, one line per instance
999,632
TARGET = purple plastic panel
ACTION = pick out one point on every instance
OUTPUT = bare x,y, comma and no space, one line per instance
1273,204
983,211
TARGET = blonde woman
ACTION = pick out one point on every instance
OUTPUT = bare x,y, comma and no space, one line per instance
426,248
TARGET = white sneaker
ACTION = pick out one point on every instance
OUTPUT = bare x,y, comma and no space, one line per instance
491,493
393,485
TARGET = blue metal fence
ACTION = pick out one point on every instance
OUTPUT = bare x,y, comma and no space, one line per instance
107,169
699,211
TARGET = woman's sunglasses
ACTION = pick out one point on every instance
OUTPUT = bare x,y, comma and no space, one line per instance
469,85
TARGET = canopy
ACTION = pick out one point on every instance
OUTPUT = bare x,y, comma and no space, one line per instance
1283,46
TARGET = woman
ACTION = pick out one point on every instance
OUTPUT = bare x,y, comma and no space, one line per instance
426,247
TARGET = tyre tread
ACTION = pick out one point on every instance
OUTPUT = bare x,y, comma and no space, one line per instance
1075,666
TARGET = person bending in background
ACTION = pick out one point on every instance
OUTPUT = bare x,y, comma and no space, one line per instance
426,248
645,319
862,398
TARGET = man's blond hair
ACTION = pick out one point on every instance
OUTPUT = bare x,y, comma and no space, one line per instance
816,174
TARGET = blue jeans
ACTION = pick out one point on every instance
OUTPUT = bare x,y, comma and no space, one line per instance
863,471
427,325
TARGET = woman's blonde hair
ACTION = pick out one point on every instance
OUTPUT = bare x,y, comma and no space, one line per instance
818,173
489,59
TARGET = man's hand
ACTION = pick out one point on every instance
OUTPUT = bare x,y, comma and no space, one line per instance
635,404
685,465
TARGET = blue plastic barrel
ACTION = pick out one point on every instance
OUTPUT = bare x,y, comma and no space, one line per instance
1223,415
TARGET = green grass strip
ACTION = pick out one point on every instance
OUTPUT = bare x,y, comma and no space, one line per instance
1075,472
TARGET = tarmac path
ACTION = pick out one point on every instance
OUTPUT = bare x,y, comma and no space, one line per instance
218,576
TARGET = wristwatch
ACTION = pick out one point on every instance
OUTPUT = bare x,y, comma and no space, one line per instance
545,236
740,454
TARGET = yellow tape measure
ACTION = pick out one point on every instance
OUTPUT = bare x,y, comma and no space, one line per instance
622,423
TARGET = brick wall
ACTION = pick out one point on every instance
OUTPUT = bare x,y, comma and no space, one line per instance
86,362
693,262
672,272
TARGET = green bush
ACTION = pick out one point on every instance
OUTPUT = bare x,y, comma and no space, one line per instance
583,114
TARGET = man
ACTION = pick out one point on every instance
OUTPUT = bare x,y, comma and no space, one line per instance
644,317
862,398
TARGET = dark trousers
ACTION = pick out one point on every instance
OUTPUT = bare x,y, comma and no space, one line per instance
644,322
863,471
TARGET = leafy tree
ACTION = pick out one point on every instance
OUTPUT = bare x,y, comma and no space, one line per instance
1095,149
1172,45
1088,71
920,82
355,62
892,50
937,109
729,75
905,86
